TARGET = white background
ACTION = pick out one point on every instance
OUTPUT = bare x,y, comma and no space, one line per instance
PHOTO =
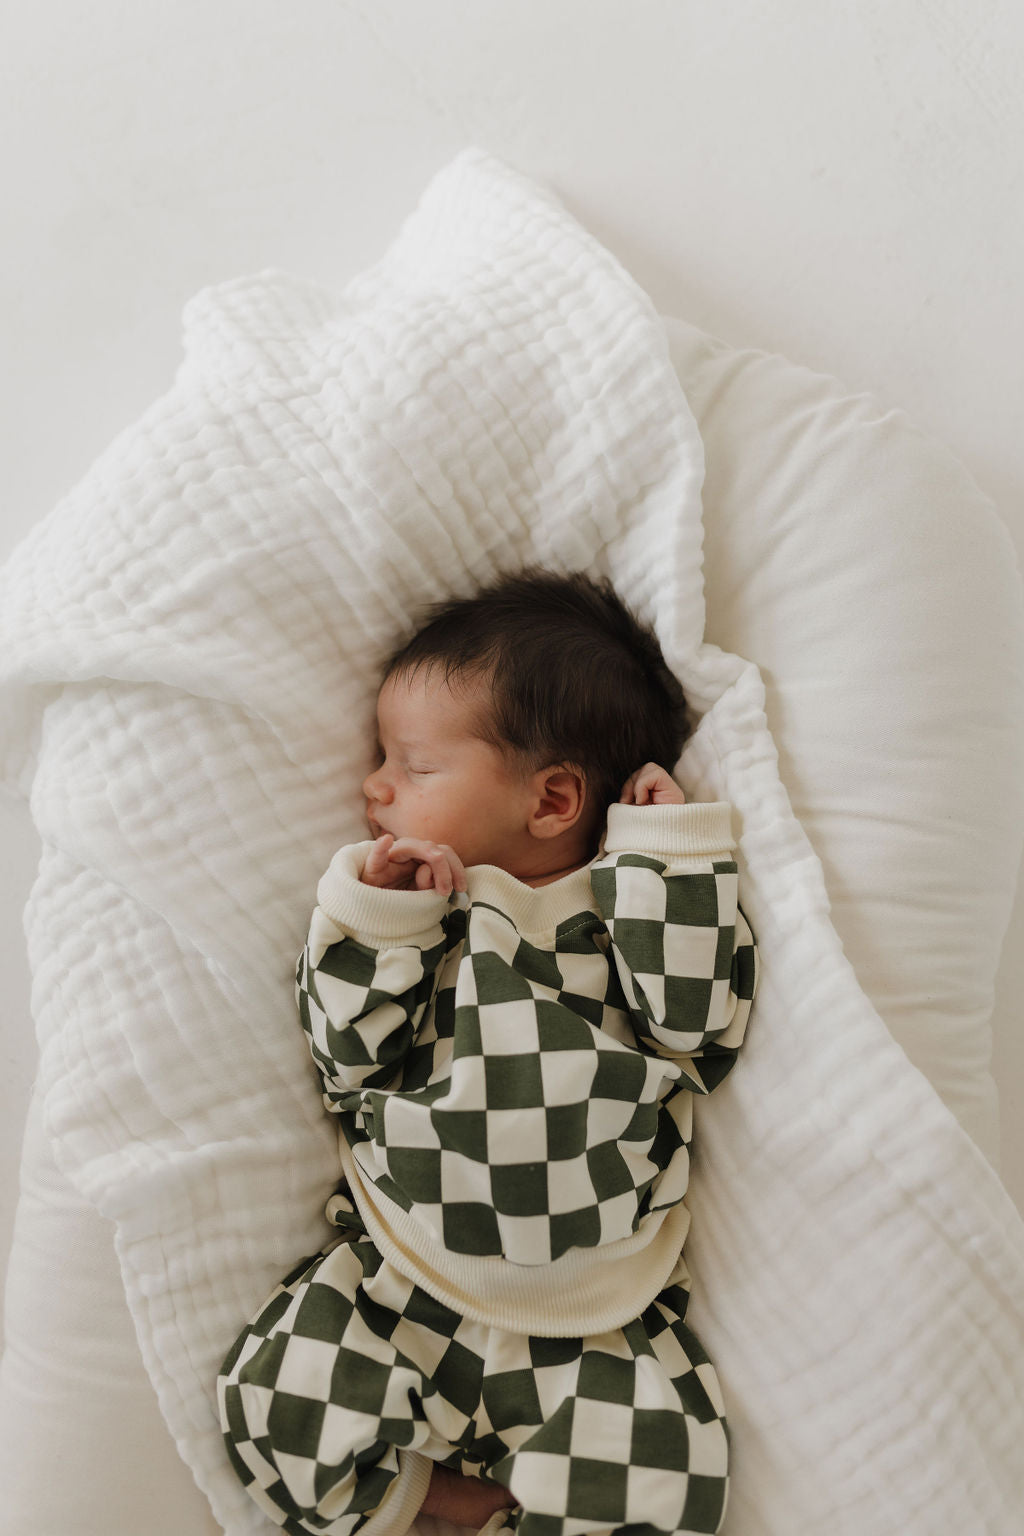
838,182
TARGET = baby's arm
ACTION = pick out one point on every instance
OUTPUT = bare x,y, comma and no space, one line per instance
667,888
366,975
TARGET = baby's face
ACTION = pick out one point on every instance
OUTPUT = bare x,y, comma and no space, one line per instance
437,780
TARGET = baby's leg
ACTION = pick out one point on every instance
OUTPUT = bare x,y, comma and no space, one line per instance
320,1413
630,1431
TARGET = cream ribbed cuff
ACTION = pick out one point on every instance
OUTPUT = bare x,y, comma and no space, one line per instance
404,1498
702,830
374,916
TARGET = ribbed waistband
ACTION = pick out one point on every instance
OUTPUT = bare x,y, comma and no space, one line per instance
586,1291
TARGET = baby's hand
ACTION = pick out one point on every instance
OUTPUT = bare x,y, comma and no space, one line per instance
410,864
651,785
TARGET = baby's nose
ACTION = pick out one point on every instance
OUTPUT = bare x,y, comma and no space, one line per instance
376,787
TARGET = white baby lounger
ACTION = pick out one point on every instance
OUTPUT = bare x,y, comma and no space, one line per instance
189,651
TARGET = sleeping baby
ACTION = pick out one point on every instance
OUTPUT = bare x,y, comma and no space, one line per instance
512,992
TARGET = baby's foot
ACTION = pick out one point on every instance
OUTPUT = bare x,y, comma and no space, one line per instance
464,1500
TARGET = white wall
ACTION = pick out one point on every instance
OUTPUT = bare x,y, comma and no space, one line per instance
841,183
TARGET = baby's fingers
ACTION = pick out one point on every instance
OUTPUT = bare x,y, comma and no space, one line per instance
438,867
441,869
651,785
375,869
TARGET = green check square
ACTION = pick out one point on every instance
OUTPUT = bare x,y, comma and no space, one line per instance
597,1490
538,965
471,1227
520,1189
620,1075
418,1171
323,1313
644,1125
294,1424
724,952
641,941
372,1486
350,961
510,1398
458,1376
358,1382
497,981
687,1003
462,1130
466,1039
606,1378
705,1502
575,1229
513,1082
660,1440
589,1008
558,1028
608,1170
566,1130
692,900
744,971
545,1352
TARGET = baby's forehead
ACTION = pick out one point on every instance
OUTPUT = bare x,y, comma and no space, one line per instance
426,701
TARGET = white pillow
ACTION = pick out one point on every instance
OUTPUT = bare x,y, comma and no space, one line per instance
856,561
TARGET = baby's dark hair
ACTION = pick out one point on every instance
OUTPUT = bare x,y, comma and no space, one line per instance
575,677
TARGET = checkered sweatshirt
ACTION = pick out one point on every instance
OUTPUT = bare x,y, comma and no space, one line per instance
514,1069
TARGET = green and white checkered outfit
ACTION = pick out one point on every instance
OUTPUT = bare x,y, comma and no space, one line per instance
513,1073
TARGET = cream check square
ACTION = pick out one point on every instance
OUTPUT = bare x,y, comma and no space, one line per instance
639,889
571,1187
468,1089
517,1135
307,1368
299,1472
567,1075
708,1378
690,951
617,1216
408,1124
655,1497
258,1401
709,1448
601,1431
578,974
340,1429
653,1387
527,1235
654,992
544,1480
508,1029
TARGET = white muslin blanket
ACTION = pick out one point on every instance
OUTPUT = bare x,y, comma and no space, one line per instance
189,648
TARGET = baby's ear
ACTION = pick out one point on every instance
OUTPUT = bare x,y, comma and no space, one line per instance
561,795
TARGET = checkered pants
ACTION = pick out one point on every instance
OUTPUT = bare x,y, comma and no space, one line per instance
348,1365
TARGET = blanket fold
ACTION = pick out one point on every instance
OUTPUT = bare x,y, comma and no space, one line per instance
189,655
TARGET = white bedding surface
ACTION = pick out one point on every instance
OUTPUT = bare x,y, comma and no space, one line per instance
207,613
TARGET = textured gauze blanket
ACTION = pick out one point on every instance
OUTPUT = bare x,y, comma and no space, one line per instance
189,650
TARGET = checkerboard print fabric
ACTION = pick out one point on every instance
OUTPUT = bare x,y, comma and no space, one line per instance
524,1097
350,1368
